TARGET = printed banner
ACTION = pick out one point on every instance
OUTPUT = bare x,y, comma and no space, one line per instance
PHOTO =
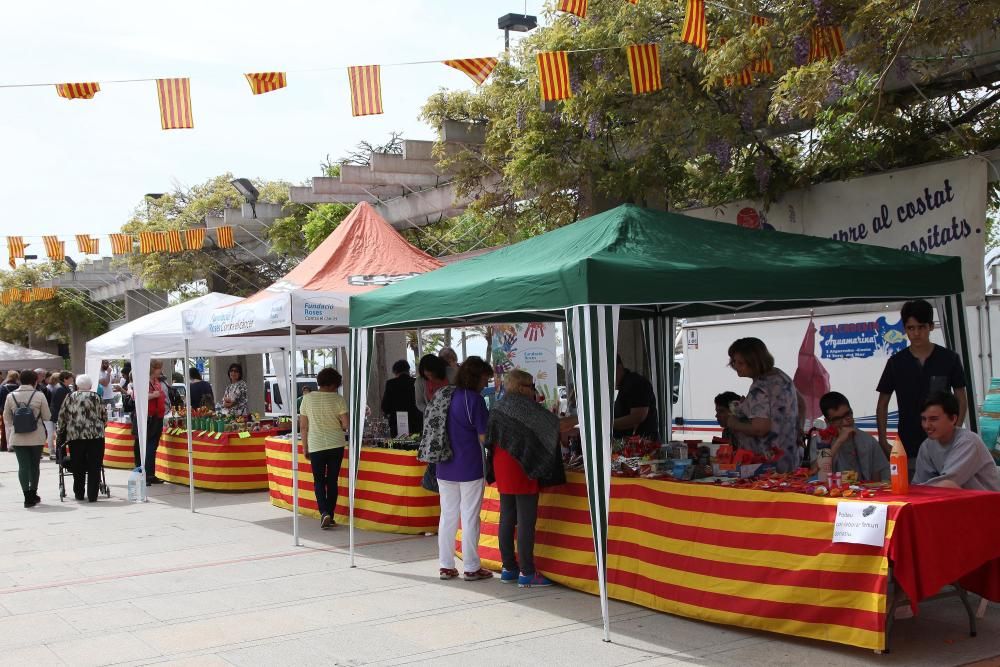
529,347
938,208
861,340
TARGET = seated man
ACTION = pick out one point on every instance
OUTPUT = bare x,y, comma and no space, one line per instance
952,456
722,411
852,448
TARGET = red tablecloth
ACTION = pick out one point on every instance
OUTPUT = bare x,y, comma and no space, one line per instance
947,535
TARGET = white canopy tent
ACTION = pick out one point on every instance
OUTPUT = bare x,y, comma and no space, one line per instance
185,329
16,358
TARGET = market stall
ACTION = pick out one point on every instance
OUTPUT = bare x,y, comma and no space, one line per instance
389,497
363,254
758,559
648,266
164,333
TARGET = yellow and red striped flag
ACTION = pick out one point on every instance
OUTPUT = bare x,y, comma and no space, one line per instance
25,295
153,242
121,244
10,295
87,245
54,248
695,30
477,69
266,82
366,89
174,240
644,68
553,75
194,239
827,43
578,7
42,293
743,78
78,91
762,65
224,236
15,248
175,103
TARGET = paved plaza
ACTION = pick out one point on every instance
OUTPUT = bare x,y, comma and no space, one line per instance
119,583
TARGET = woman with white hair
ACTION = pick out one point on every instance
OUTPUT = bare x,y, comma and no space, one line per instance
81,427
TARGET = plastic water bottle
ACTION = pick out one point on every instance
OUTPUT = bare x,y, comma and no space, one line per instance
137,486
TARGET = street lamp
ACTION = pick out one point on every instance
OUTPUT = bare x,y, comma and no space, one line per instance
249,192
517,23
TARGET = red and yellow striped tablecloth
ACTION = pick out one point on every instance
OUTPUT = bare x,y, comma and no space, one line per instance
388,497
222,461
756,559
119,451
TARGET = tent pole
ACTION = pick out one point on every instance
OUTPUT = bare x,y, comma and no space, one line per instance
293,408
353,451
187,413
668,402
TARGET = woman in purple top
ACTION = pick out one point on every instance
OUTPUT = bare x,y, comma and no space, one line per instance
460,479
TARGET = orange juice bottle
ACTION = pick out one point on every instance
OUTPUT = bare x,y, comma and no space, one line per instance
899,469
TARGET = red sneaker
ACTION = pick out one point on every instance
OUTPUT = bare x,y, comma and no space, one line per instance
478,575
448,573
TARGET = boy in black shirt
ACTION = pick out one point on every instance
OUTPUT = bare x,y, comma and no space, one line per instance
913,374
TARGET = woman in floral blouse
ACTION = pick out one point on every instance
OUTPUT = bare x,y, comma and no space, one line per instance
81,426
235,398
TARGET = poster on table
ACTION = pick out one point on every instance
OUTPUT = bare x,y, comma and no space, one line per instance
937,208
530,347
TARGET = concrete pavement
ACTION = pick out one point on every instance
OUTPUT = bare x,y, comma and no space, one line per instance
118,583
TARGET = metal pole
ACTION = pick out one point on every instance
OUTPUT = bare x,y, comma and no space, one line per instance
187,403
295,431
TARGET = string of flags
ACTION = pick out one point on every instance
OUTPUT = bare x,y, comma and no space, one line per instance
26,295
173,241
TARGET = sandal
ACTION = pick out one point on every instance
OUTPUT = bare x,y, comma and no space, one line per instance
478,575
448,573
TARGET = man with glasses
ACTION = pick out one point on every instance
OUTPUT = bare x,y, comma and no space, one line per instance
852,448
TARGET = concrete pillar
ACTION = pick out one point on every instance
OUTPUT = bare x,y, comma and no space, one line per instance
253,373
77,348
143,302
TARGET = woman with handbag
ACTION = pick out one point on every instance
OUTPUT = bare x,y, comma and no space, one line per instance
461,476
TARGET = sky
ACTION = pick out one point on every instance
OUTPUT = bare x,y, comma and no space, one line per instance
83,166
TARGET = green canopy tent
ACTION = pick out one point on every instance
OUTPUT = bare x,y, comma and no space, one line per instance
653,266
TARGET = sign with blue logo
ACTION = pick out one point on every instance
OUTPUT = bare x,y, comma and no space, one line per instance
860,340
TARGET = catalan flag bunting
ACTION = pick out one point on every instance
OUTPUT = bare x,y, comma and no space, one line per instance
54,248
695,30
224,236
194,239
578,7
644,68
744,78
366,90
175,103
827,43
87,245
25,296
42,293
78,91
121,244
477,69
266,82
15,248
553,75
762,65
10,295
153,242
174,240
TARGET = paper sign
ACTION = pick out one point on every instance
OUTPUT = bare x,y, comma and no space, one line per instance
244,434
860,523
402,424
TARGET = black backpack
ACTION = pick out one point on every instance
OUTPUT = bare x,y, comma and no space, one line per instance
25,420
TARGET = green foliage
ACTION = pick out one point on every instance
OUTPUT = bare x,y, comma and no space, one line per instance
321,221
698,142
52,317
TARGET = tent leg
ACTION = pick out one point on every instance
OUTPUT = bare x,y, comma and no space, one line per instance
293,408
187,412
